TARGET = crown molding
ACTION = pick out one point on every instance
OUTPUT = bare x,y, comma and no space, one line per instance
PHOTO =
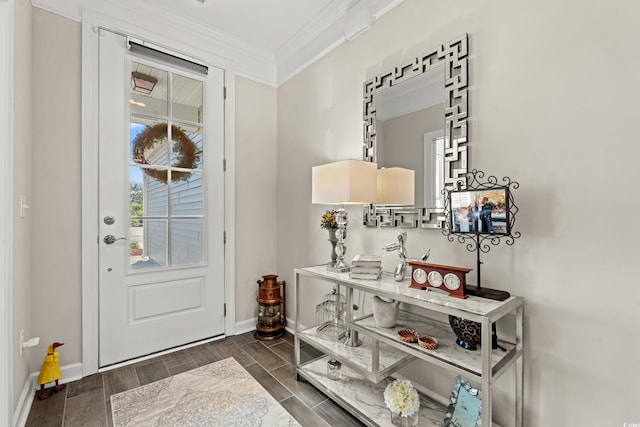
253,62
328,30
321,23
68,9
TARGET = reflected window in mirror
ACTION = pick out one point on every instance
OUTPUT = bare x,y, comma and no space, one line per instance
406,114
433,165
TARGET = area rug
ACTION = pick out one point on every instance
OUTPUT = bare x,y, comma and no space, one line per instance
219,394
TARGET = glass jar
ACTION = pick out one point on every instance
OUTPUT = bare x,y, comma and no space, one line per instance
333,369
408,421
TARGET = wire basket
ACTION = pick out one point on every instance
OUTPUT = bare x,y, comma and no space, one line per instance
330,315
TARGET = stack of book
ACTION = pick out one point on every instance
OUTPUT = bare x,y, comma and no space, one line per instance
366,267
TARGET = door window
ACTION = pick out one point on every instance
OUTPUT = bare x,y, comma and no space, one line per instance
166,145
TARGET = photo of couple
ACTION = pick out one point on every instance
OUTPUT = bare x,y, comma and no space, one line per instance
479,211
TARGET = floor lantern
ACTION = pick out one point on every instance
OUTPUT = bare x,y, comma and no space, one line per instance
271,308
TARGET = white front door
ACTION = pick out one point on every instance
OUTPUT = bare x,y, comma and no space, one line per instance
160,202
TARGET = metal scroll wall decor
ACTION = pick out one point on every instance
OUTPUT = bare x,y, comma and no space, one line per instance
453,57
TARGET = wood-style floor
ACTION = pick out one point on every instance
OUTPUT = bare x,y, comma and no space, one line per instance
87,402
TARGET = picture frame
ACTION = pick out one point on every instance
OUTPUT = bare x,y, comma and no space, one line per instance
466,405
480,211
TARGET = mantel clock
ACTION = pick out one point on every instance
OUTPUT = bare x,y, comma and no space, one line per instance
445,277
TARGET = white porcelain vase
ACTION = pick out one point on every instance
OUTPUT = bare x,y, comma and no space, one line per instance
385,313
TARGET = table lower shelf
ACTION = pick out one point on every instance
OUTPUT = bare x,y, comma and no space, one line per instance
448,354
363,399
360,358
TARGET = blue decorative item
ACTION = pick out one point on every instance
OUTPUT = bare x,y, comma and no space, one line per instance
465,407
467,332
469,335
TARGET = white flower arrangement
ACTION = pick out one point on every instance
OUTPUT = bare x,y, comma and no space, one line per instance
400,397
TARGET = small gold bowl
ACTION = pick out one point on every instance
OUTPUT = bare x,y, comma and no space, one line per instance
408,335
428,342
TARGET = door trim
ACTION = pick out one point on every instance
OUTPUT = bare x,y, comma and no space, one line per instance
90,65
6,213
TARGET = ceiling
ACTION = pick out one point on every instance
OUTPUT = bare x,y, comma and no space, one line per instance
267,24
285,35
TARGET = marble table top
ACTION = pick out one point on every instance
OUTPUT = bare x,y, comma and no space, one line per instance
433,299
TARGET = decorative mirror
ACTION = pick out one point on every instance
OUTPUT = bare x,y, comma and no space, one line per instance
409,124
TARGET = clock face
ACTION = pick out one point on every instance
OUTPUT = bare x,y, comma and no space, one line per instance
420,276
435,279
446,278
451,281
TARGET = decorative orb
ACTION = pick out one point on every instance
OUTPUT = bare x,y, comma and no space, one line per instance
467,331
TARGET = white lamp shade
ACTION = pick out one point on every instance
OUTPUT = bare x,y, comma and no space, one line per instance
344,182
396,186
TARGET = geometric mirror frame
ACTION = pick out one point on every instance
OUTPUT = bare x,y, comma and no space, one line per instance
453,56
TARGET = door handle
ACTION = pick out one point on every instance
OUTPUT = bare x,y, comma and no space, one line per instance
109,239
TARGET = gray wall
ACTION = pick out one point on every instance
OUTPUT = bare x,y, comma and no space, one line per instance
401,140
56,245
22,185
553,105
256,191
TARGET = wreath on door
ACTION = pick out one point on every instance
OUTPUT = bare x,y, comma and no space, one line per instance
187,152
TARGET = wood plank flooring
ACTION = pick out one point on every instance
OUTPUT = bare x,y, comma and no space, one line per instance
87,402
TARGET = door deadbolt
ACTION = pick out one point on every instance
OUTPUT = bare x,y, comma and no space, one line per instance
109,239
109,220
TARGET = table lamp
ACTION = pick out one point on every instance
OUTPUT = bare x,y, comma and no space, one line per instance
396,186
346,182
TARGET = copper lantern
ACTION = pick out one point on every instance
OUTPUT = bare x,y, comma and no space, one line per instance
271,308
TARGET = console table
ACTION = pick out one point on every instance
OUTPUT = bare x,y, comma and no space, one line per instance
366,368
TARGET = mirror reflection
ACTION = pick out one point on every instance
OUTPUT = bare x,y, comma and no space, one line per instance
415,117
410,132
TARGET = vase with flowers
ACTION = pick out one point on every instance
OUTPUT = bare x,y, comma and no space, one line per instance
329,223
403,401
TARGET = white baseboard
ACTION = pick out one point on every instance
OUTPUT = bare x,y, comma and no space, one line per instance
24,403
246,326
70,373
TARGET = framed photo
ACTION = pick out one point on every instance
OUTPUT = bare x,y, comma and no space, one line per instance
466,403
484,211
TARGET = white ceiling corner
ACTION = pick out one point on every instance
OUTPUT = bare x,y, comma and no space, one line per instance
266,41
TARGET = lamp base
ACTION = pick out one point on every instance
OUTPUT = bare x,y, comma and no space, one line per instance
487,293
338,269
339,266
352,339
